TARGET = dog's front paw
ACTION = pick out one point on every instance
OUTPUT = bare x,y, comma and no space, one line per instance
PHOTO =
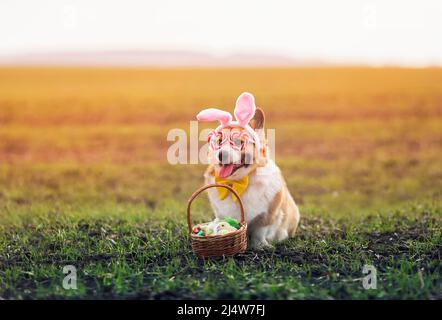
260,244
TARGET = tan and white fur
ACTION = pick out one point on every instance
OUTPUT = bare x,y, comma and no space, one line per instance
271,212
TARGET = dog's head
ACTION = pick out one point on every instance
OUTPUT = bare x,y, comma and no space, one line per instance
236,148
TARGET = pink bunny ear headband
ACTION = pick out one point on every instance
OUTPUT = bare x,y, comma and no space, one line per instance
244,111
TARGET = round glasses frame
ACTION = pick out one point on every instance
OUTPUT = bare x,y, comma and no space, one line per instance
237,140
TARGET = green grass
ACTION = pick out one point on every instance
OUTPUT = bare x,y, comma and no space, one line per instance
127,237
140,258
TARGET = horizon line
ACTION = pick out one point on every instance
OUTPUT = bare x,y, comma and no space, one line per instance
167,58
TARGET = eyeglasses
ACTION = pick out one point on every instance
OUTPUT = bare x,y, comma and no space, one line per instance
238,140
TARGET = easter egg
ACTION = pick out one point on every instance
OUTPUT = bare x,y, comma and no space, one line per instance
207,231
223,232
224,228
233,222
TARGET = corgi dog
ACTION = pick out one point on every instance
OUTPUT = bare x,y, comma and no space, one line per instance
238,156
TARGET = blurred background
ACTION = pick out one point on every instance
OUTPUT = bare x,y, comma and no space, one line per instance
236,33
89,90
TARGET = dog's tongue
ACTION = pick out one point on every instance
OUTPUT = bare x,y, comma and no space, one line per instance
226,170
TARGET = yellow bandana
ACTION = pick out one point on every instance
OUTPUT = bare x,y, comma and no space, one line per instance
238,185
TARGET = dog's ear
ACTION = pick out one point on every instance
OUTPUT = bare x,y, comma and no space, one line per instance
258,120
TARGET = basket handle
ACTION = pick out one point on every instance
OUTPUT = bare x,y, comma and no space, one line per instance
197,192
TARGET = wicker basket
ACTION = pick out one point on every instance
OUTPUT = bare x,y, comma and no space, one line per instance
218,245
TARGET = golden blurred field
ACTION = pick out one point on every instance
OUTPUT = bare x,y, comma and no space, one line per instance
123,115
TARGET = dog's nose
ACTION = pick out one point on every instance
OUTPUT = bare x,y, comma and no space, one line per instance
223,157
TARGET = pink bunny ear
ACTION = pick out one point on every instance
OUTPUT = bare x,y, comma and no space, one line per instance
213,114
245,108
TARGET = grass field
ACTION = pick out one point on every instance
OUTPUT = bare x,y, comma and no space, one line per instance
84,181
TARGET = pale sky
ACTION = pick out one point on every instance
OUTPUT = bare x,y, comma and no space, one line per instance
345,31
